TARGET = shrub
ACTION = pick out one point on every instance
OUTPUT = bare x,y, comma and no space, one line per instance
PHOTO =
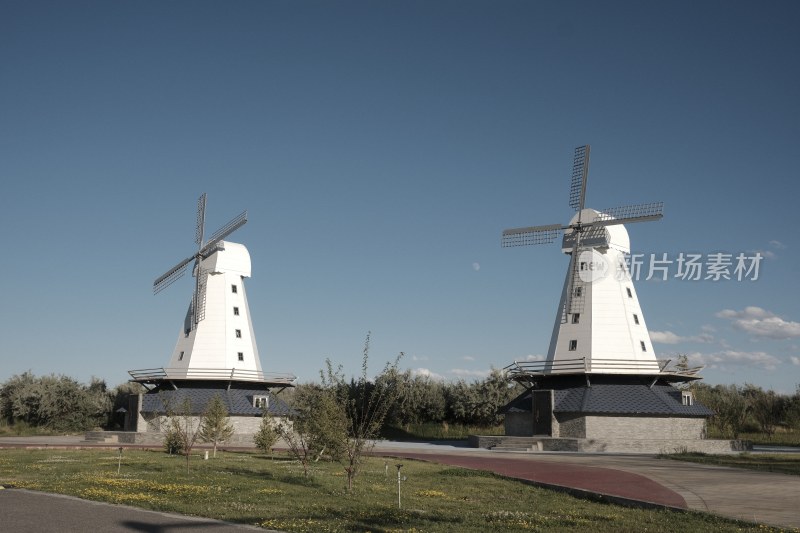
173,441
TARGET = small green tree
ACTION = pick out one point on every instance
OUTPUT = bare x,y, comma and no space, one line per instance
216,427
267,434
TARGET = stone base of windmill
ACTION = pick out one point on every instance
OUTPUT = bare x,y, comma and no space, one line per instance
146,418
600,445
607,413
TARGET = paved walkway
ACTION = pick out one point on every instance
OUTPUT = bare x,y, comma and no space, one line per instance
755,496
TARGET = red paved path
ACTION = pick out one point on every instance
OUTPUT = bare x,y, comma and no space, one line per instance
603,481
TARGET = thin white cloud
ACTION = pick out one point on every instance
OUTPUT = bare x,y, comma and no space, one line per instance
795,360
425,373
536,357
761,323
419,358
733,357
464,373
665,337
668,337
468,358
769,254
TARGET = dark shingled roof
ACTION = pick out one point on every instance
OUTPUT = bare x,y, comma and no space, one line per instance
611,395
238,401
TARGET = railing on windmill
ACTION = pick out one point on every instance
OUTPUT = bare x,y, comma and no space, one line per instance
227,374
599,366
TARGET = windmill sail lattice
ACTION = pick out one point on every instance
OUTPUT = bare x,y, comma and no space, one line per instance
204,250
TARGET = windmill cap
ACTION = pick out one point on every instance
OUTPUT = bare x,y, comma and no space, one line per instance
234,258
616,236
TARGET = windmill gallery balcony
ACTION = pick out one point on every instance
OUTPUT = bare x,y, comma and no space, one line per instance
158,375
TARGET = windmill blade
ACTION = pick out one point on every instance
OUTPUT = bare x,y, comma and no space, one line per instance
580,173
531,235
237,222
199,298
201,220
628,214
171,275
575,285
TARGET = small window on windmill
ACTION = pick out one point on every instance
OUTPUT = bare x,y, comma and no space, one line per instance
578,291
260,402
636,319
236,311
573,345
630,294
687,398
238,334
583,265
234,289
241,356
576,317
644,348
180,357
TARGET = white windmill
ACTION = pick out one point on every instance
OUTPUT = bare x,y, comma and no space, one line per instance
599,326
600,386
217,341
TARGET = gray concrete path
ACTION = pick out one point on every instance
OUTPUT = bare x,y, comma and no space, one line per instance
761,497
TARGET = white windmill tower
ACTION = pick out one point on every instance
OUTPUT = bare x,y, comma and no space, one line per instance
600,379
216,350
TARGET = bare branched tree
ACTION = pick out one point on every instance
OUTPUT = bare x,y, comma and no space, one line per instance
355,412
184,426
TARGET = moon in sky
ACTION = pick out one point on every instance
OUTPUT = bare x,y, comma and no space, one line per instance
476,266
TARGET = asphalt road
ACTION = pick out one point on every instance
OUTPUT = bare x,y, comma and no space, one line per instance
24,511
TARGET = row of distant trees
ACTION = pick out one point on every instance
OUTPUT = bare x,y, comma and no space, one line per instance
60,403
747,409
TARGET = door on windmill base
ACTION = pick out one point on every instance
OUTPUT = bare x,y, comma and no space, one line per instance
542,412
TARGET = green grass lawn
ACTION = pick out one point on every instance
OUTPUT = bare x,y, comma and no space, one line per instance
783,463
253,489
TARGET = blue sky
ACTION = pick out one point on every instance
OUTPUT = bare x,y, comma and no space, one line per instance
380,149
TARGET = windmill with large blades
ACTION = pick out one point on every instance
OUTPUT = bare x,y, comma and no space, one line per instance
204,250
216,350
600,384
599,317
